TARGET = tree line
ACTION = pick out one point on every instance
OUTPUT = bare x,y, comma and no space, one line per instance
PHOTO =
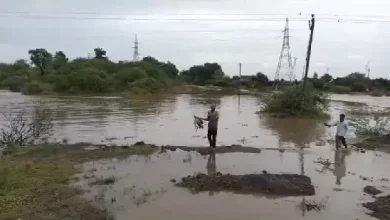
47,72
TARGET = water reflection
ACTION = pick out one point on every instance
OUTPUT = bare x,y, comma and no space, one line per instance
300,132
211,167
340,167
211,164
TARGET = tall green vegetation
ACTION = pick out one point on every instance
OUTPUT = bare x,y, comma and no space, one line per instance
295,102
56,73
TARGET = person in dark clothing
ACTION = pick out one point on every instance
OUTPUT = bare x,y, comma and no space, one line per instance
212,118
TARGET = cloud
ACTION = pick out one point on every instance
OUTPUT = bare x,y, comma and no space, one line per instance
255,43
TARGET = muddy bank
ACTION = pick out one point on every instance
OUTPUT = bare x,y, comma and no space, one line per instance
381,142
217,150
274,184
380,208
372,190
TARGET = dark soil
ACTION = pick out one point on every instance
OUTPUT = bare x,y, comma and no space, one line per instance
372,190
275,184
375,142
217,150
380,208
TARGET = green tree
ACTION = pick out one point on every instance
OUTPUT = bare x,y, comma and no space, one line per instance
21,63
41,59
59,60
261,79
201,74
100,53
151,60
170,69
327,78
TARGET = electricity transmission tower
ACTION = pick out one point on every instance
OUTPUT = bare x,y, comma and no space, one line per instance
368,69
136,54
285,65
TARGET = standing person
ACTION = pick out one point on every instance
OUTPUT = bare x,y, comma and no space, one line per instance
342,129
212,118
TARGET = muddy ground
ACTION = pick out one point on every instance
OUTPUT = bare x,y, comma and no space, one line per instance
217,150
372,190
275,184
380,208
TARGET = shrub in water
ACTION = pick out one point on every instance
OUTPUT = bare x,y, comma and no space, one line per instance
131,74
358,87
295,102
145,84
88,82
61,83
340,89
14,83
32,88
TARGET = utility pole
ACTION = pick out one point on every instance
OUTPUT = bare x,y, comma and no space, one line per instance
239,71
311,27
294,67
239,88
136,53
284,59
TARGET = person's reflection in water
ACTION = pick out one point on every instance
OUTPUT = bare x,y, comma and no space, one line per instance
211,167
340,168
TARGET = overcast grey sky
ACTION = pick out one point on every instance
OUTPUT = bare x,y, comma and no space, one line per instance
77,27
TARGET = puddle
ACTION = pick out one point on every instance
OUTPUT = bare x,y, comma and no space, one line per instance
144,188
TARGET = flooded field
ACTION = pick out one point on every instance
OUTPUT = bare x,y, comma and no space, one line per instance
169,120
143,187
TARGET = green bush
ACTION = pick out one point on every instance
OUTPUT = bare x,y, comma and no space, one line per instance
377,93
61,83
14,83
146,84
88,82
154,71
32,88
224,82
131,74
293,102
358,87
318,83
340,89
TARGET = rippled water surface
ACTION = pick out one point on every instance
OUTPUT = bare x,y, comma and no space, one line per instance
169,119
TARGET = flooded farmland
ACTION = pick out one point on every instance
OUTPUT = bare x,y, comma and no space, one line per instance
144,186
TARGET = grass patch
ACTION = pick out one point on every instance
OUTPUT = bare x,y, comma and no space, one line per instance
34,181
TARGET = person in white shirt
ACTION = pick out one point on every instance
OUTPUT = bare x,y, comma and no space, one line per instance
342,129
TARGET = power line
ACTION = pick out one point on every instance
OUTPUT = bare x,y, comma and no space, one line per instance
270,19
198,14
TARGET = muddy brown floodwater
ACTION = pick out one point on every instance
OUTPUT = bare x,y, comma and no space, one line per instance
144,188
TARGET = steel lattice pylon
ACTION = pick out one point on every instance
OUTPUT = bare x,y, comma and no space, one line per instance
285,66
136,54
